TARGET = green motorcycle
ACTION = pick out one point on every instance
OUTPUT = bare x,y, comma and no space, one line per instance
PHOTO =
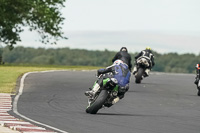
104,96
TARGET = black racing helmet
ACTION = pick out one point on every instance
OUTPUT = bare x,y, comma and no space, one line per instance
124,49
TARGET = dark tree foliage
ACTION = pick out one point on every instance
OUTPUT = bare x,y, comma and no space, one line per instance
62,56
171,62
42,16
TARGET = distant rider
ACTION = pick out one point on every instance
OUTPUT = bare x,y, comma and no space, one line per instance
147,53
197,74
124,56
120,71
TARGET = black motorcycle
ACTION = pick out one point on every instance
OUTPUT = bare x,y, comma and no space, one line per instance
104,96
198,93
198,86
142,65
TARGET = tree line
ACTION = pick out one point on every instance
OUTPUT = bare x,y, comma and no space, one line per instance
170,62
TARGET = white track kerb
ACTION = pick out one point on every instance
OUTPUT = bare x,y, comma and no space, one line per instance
17,98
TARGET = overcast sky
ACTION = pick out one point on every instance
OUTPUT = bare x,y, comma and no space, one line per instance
164,25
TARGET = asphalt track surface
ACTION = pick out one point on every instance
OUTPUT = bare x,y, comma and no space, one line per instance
162,103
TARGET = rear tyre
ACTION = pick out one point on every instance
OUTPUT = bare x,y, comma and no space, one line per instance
94,107
138,77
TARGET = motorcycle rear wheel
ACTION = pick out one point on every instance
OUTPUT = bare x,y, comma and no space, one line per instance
138,77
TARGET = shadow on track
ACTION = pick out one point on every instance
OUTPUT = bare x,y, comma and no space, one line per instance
117,114
140,115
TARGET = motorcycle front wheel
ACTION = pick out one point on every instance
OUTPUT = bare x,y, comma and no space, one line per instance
98,103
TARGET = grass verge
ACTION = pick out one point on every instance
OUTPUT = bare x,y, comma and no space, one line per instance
9,74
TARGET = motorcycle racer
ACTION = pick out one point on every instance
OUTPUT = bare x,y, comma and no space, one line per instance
119,71
197,78
124,56
197,74
147,54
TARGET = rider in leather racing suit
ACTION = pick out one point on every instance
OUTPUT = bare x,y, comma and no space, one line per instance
197,74
124,56
120,71
147,53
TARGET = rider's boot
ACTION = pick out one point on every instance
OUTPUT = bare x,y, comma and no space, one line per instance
196,81
134,70
115,100
146,73
92,92
109,104
198,93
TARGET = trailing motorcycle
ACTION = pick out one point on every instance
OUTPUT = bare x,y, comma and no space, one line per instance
104,96
197,82
142,65
198,87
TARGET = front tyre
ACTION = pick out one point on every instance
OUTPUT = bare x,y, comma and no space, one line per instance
98,103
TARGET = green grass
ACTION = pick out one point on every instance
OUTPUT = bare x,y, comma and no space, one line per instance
10,73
